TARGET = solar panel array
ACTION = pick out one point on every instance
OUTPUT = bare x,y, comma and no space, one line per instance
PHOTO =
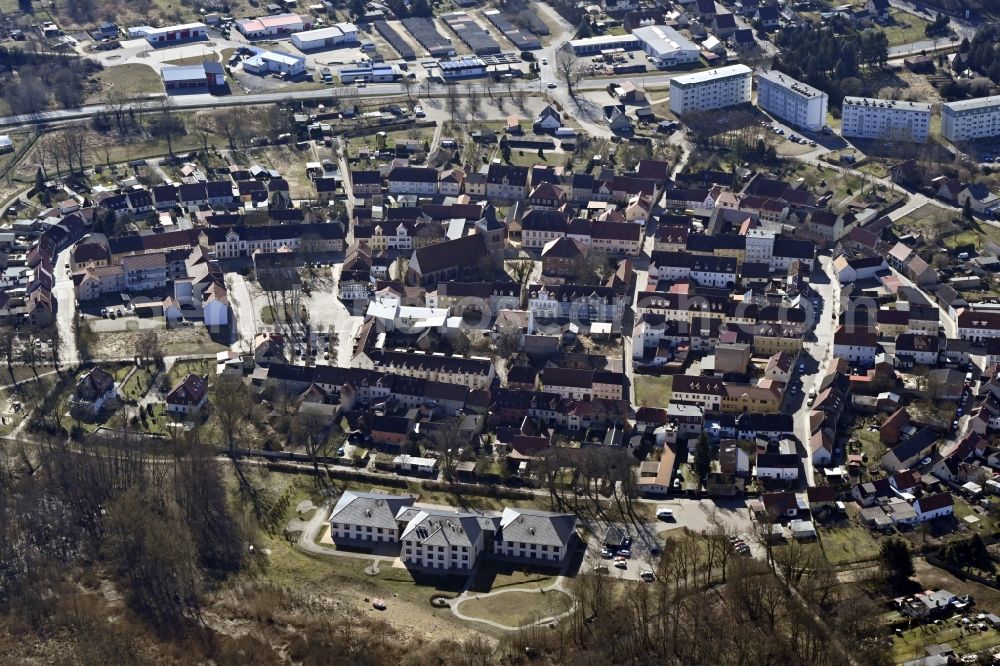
424,31
470,32
395,40
522,39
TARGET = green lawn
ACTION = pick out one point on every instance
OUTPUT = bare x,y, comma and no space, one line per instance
516,608
137,385
847,545
986,525
181,369
653,391
906,28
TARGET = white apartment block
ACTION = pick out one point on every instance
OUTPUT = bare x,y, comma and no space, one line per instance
711,89
971,119
440,539
791,100
886,119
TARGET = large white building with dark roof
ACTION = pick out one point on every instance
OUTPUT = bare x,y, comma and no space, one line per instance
969,119
440,538
370,517
537,535
791,100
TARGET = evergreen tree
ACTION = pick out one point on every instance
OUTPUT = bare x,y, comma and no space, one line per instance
896,558
703,457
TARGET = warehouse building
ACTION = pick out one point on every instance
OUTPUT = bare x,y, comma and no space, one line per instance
470,32
275,62
665,46
333,37
522,39
969,119
886,119
792,100
193,78
172,34
462,68
395,40
271,26
425,32
593,45
711,89
369,73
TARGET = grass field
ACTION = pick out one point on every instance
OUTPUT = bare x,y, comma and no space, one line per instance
653,391
516,608
905,29
134,79
847,545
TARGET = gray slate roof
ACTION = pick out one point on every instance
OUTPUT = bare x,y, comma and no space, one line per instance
538,527
375,509
440,527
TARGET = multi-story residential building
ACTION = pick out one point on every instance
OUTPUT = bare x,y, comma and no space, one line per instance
971,119
535,535
583,383
244,241
856,345
706,271
616,237
506,182
471,372
92,282
368,517
705,392
540,225
440,539
563,257
365,184
791,100
578,302
144,272
886,119
413,180
711,89
978,325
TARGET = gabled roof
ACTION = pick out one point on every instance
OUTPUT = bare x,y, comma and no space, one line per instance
536,527
369,509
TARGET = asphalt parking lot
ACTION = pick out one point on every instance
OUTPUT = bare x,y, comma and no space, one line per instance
696,515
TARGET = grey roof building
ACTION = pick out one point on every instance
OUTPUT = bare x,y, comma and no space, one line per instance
525,533
363,516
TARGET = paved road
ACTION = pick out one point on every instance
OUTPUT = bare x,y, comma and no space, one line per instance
65,297
817,354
